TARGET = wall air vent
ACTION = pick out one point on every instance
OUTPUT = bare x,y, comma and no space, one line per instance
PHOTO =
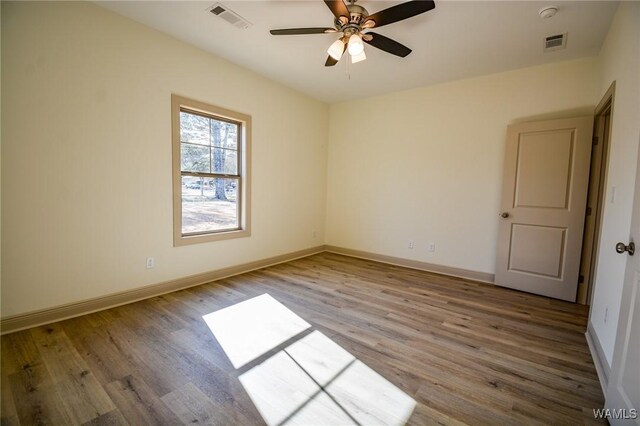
555,42
229,15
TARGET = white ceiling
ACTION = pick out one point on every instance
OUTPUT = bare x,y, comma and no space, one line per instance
458,39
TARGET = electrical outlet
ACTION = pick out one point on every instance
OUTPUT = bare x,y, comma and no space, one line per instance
151,262
606,315
411,245
431,247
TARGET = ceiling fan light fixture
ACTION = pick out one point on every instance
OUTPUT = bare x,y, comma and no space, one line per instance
356,46
358,58
350,20
336,49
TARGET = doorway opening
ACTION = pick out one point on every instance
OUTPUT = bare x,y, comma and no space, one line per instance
595,196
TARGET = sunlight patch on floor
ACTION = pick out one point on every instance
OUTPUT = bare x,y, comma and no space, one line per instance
312,381
281,391
251,328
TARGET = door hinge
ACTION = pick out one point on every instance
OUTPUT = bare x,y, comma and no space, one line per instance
595,140
580,279
588,211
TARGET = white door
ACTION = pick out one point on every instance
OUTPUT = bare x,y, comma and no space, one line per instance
544,195
623,391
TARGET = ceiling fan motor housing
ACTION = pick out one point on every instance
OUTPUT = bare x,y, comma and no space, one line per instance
357,15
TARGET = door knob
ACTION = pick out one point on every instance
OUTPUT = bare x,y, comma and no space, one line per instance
631,248
504,215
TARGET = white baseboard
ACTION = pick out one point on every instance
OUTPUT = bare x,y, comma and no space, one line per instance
415,264
58,313
599,359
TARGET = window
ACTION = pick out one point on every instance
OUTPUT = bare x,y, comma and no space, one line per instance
211,149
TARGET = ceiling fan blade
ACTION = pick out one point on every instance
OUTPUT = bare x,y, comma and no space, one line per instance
400,12
330,61
387,44
338,8
300,31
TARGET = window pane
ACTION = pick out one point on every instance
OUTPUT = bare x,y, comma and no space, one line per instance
209,205
194,128
225,161
194,158
224,135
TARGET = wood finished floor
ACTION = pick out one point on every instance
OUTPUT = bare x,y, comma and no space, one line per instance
466,352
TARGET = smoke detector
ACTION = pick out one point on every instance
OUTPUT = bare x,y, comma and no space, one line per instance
548,12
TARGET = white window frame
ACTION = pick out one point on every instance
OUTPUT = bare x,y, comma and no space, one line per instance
178,104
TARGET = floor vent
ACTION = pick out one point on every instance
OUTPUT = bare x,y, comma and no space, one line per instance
229,15
555,42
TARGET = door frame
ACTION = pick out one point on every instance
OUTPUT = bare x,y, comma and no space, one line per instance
603,116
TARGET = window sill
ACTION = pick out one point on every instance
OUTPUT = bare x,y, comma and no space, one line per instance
180,240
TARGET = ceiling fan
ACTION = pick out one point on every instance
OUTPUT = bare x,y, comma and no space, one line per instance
352,20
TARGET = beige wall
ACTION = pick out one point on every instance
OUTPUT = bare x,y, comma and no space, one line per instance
86,166
619,61
426,164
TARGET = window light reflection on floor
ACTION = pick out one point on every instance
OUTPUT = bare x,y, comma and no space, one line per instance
251,328
283,393
312,381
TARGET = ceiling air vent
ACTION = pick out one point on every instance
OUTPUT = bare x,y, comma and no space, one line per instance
229,15
555,42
